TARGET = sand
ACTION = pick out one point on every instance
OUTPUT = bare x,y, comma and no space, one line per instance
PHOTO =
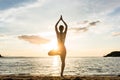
40,77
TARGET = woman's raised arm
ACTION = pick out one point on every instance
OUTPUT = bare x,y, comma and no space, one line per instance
56,29
66,27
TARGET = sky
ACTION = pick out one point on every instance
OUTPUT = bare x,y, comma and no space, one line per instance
27,27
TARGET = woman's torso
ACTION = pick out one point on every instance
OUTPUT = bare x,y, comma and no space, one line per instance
61,41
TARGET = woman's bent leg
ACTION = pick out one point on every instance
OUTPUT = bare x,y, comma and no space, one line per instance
53,53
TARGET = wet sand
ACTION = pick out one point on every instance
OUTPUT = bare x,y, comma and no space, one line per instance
41,77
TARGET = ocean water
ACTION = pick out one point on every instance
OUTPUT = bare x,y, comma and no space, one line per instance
52,66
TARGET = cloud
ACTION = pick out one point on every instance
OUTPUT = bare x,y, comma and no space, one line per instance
116,34
83,22
101,7
82,29
93,23
1,35
16,6
34,39
7,4
17,15
115,12
86,26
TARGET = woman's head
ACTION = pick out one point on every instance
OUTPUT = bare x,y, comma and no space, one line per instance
61,28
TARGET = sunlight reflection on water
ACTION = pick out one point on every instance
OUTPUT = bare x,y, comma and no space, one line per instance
52,66
55,65
55,61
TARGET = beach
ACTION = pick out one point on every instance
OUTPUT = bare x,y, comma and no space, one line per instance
42,77
46,39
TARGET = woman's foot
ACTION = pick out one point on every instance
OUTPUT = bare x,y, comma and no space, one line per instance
62,77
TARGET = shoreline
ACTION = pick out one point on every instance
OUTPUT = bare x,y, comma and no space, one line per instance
66,77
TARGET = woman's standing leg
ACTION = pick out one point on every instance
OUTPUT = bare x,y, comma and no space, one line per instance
62,63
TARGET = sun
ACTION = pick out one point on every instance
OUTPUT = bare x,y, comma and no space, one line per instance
52,45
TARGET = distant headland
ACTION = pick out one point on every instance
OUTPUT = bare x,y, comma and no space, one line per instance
0,55
113,54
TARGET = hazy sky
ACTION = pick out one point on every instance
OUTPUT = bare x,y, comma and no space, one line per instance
27,26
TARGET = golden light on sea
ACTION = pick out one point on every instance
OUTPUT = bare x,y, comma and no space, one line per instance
55,61
55,66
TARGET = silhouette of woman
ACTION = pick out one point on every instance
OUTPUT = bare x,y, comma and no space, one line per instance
61,35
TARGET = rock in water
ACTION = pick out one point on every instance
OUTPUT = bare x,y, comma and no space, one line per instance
113,54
